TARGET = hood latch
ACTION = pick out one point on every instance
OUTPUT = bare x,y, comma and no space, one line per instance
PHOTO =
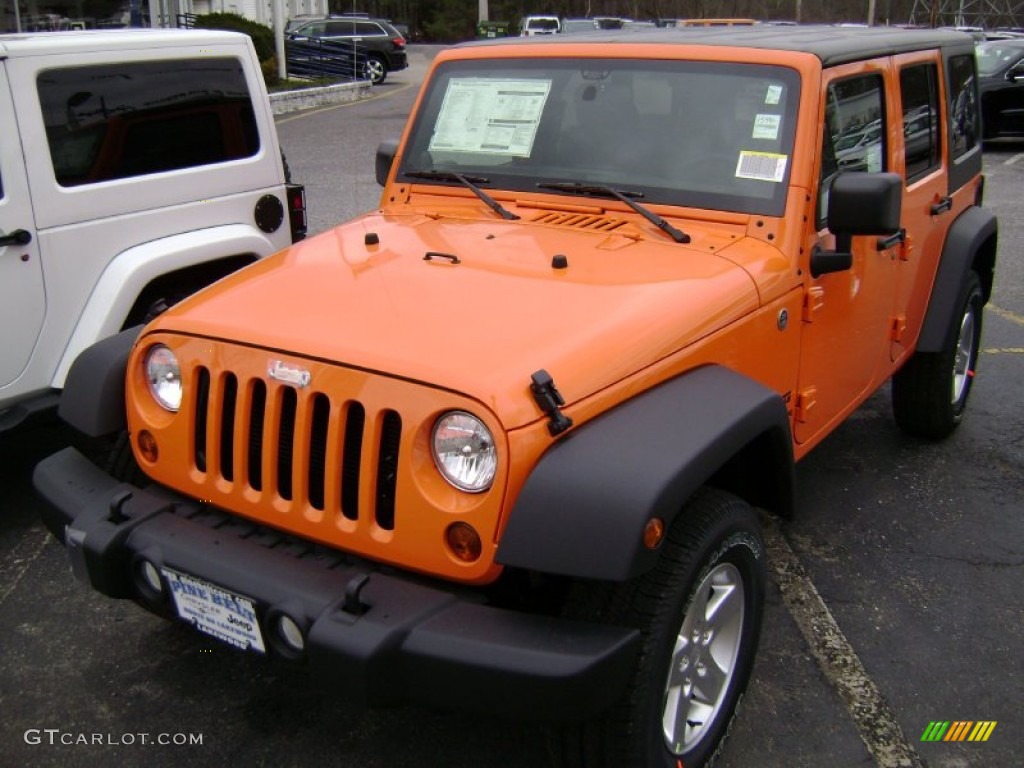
549,400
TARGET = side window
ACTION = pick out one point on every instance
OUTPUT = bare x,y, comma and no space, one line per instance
963,106
368,29
340,29
114,121
854,137
919,93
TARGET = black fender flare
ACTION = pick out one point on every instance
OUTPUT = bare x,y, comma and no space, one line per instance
583,509
970,244
93,397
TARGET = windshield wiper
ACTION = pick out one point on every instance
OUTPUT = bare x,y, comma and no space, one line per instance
625,196
468,183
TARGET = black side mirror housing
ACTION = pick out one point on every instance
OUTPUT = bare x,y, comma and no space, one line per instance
859,204
386,152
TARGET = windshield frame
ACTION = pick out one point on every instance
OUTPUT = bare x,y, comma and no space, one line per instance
522,173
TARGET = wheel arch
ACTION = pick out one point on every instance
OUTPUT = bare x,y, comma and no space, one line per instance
188,255
970,245
178,284
583,509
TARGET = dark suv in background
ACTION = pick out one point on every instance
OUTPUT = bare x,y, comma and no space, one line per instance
382,44
1001,83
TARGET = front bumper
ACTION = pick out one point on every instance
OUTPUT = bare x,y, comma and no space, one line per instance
379,636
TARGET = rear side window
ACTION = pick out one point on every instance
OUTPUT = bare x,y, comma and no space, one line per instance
919,92
963,106
369,29
116,121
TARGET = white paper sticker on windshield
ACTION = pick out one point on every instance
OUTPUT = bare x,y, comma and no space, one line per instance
761,166
490,116
774,94
873,157
767,127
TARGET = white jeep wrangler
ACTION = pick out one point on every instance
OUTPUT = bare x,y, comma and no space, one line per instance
136,167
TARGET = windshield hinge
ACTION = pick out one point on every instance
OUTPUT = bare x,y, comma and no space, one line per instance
549,400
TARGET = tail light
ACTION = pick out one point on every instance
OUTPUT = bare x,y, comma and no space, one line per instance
398,42
296,194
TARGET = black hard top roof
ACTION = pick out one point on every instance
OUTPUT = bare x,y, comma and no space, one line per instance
832,45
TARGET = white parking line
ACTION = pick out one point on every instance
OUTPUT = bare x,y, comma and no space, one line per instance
871,713
1013,159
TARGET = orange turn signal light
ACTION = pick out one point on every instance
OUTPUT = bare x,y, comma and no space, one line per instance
654,532
463,542
147,446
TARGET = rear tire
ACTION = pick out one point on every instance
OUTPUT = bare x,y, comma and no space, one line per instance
699,612
376,70
929,393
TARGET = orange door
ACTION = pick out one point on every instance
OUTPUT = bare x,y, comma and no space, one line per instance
847,315
919,156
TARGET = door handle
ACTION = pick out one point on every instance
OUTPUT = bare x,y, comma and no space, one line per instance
942,206
17,237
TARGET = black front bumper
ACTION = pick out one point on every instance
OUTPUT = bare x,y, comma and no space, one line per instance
379,636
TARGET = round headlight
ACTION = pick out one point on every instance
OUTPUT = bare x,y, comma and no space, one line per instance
464,451
164,377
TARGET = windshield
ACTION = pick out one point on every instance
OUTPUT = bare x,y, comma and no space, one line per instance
995,57
700,134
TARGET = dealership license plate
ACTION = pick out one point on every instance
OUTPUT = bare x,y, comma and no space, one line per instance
215,611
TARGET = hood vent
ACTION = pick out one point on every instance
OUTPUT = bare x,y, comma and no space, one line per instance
588,221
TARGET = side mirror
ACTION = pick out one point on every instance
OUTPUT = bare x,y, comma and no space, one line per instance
386,152
858,204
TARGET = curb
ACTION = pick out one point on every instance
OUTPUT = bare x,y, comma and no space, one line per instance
283,102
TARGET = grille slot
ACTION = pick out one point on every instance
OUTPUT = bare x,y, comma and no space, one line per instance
202,407
317,465
257,409
351,460
286,442
227,428
387,469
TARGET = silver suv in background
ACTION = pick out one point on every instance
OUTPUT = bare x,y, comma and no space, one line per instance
136,167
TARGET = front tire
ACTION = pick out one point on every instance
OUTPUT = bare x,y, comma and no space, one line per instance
929,393
699,612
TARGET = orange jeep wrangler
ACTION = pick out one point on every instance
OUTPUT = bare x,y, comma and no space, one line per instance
501,444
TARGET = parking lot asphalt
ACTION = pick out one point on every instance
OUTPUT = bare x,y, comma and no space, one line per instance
895,597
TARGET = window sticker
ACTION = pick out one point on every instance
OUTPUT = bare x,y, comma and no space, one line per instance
761,166
496,117
873,157
774,94
767,127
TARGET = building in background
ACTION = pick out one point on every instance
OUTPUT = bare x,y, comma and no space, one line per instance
52,15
